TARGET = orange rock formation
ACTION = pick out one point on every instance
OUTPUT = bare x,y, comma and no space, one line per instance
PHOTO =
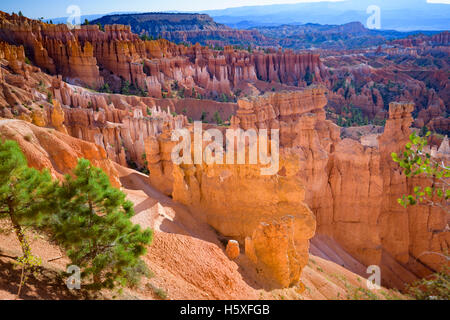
150,65
352,186
347,188
56,151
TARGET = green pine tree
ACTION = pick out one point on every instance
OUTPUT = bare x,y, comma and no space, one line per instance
204,116
217,118
93,225
24,199
125,88
309,77
423,132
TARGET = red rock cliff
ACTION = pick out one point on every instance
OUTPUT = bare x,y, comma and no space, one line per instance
153,66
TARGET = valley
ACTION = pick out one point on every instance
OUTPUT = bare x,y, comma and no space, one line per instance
116,93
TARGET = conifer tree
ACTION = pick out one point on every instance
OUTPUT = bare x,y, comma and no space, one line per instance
309,77
218,118
93,225
25,198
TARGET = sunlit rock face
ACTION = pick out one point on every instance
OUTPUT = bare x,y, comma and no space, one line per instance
345,188
274,249
351,186
86,55
55,151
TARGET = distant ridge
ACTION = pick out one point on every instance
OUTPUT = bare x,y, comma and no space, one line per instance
89,17
401,15
182,27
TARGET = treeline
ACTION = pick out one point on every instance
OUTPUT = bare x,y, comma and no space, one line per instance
353,117
83,214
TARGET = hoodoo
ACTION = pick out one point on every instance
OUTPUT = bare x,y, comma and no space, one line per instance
305,169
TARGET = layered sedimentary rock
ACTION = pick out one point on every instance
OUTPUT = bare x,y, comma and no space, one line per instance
273,248
423,40
19,83
55,151
151,66
23,95
117,123
351,185
183,27
442,38
57,117
330,37
120,128
348,187
367,219
252,198
53,48
412,69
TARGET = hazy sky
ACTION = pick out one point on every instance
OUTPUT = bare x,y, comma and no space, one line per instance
55,9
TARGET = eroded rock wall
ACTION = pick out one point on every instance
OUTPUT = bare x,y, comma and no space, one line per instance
152,66
55,151
351,185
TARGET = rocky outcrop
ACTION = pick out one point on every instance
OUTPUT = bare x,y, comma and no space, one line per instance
367,219
53,48
423,40
351,184
346,187
442,38
55,151
155,67
233,251
182,27
236,199
57,117
260,198
368,80
119,124
274,249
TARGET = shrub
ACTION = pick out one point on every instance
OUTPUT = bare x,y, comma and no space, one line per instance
217,118
436,287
